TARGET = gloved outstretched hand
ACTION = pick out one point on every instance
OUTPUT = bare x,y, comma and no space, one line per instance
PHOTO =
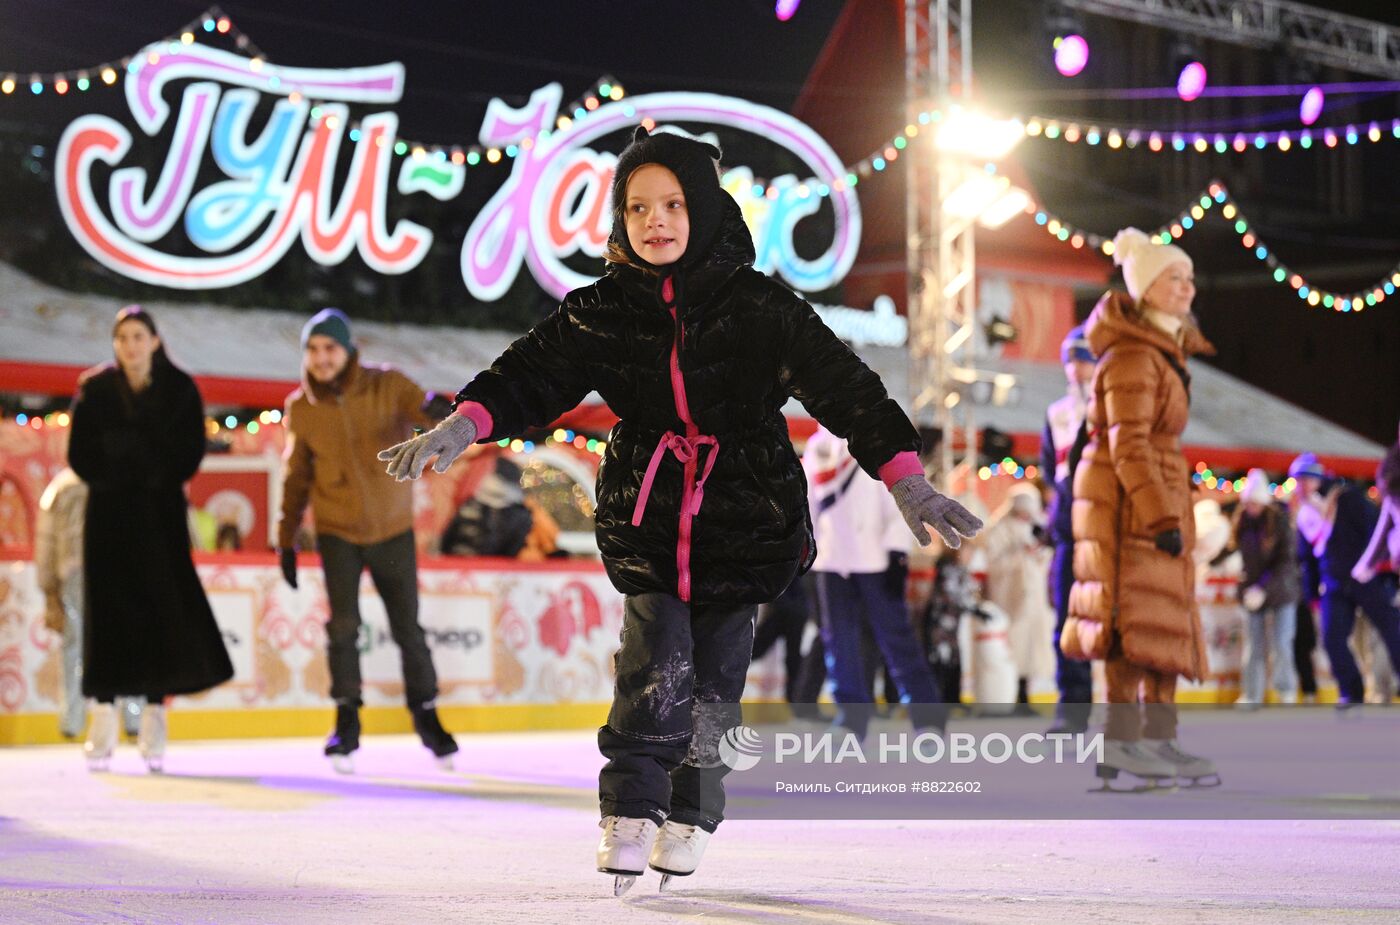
287,558
1169,541
920,505
447,441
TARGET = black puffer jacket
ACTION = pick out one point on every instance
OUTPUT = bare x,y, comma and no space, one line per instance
745,344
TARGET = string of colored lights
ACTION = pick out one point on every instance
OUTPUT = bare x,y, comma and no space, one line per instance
215,22
605,90
222,425
1125,139
211,22
1158,140
1217,195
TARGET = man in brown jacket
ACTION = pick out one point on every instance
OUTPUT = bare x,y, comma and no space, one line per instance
336,423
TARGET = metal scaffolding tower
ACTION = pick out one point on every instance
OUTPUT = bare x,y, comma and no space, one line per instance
1349,42
942,277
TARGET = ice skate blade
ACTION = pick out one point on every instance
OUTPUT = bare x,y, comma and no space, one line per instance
1204,782
342,764
1147,785
155,765
445,763
622,882
667,878
99,765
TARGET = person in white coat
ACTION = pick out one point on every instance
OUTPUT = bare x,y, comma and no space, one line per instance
1018,569
861,568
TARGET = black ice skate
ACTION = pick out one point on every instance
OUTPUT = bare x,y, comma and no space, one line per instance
1135,758
345,741
435,739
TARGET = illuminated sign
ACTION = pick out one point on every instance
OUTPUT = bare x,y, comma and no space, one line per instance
279,184
555,203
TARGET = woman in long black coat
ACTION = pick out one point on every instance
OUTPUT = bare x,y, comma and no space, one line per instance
137,437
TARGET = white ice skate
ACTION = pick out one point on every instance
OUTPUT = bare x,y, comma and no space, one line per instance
101,738
1193,769
1137,759
623,849
152,738
678,850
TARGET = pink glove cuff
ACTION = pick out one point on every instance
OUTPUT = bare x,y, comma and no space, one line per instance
901,466
478,415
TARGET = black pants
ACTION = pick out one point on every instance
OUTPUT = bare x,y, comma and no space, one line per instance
1304,642
1073,677
1339,605
680,674
785,619
393,566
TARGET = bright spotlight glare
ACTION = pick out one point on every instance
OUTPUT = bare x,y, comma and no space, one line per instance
1005,209
975,194
978,135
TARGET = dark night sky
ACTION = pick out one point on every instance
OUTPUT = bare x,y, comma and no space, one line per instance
1325,214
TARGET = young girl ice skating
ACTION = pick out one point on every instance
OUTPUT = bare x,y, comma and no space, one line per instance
701,502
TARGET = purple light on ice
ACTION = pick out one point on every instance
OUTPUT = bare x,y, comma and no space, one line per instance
1071,54
784,9
1311,107
1192,81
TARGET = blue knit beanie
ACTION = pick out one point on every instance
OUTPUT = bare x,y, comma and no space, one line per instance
332,323
1075,347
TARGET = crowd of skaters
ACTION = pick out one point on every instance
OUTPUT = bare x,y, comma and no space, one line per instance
1321,555
1108,575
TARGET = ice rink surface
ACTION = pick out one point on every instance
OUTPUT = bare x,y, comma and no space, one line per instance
264,832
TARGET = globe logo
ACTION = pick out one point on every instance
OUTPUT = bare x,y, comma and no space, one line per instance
740,748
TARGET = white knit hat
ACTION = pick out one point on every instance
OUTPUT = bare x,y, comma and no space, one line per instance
1256,488
1025,498
1143,260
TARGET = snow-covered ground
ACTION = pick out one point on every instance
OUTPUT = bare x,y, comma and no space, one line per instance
263,832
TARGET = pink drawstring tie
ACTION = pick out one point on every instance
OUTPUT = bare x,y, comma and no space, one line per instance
685,450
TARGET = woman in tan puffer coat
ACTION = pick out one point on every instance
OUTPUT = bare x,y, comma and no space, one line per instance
1133,600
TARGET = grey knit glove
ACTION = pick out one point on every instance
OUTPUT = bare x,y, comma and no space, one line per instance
920,505
447,441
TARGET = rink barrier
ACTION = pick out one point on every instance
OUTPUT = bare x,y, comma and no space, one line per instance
517,647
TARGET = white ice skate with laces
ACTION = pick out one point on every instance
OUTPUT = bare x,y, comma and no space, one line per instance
153,736
678,850
101,737
1193,770
623,849
1137,759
